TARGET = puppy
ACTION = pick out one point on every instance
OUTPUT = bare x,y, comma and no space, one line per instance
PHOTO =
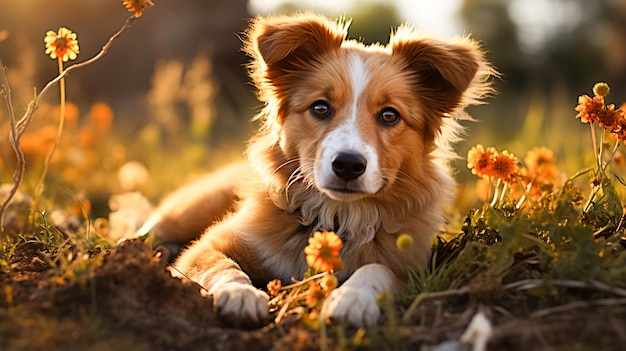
354,139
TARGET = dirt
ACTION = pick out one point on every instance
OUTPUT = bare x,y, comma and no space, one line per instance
127,300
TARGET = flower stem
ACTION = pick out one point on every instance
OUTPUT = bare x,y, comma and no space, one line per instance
613,152
496,193
596,149
46,166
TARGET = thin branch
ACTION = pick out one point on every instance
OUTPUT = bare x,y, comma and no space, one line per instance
14,139
577,305
528,284
522,285
304,281
18,128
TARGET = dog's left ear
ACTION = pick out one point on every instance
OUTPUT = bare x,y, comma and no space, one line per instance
443,71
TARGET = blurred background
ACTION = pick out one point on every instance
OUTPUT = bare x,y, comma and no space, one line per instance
171,99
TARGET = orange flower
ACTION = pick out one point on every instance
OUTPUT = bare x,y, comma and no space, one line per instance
540,162
593,109
589,108
63,44
137,6
314,295
72,113
322,253
273,287
505,166
480,161
540,171
101,116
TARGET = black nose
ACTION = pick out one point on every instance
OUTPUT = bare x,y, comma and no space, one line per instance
348,166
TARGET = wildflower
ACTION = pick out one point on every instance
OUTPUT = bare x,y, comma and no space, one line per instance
618,126
540,164
480,161
601,89
322,253
540,171
314,295
63,44
137,6
329,283
273,287
404,241
593,109
101,116
589,108
505,166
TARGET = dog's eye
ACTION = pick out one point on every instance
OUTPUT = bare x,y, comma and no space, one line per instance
389,116
321,109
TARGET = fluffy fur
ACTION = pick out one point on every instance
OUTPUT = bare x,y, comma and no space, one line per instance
354,139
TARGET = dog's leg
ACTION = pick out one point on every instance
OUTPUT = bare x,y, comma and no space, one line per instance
208,262
185,214
355,301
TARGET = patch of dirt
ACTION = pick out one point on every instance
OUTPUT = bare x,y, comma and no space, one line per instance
130,302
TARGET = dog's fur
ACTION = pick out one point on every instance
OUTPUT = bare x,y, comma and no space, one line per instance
325,95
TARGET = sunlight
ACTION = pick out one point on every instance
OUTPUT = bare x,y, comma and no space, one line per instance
435,17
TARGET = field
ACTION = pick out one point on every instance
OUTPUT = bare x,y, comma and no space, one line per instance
533,256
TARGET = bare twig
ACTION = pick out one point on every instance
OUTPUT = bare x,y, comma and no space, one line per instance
304,281
578,304
18,128
14,139
527,284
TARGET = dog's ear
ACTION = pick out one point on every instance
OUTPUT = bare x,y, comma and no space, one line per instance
443,71
282,46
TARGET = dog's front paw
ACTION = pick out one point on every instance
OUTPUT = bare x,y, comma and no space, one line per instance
240,304
353,305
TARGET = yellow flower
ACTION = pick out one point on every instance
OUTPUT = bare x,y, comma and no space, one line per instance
62,45
322,253
329,283
137,6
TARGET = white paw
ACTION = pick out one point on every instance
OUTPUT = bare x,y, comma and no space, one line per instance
240,304
356,306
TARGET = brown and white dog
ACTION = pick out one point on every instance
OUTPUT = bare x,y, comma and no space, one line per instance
354,139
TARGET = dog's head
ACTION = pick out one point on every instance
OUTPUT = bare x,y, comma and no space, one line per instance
357,118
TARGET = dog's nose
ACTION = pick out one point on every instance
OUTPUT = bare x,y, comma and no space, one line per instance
348,166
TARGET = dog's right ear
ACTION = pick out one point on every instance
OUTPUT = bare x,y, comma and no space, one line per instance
281,47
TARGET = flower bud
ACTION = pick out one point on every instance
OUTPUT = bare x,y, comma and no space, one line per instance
601,89
404,241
